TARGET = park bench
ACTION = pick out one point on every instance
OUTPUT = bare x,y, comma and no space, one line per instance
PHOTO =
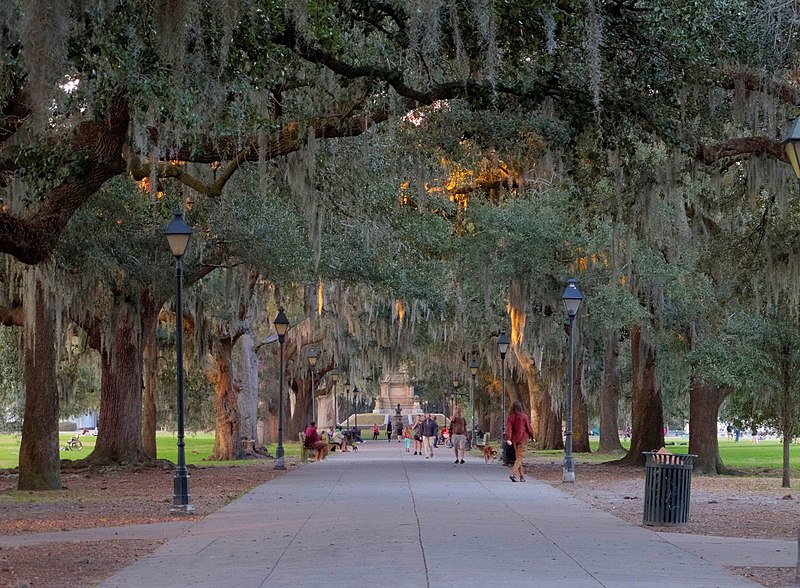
482,441
248,445
305,452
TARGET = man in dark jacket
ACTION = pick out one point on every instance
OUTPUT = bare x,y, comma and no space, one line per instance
429,432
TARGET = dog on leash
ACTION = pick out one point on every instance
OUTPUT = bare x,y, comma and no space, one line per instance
489,453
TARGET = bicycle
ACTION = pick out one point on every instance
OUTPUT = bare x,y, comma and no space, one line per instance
73,444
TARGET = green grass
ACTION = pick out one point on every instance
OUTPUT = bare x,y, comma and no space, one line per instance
764,457
198,448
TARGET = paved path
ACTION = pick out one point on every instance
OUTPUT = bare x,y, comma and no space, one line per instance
385,517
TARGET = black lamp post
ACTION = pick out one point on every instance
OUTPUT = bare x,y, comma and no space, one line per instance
355,409
178,233
473,370
502,347
311,357
335,378
572,302
349,399
281,326
792,146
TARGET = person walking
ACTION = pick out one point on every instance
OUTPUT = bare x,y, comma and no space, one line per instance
398,430
417,433
458,435
375,432
407,438
429,432
389,430
518,431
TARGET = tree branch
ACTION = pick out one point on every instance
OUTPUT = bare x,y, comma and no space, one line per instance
740,146
462,88
32,240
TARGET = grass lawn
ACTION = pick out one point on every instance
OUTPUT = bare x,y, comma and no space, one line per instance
766,455
198,448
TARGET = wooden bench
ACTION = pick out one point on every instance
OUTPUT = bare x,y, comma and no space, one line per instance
248,445
305,452
482,441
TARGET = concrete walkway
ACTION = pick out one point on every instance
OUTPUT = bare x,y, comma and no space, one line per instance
382,516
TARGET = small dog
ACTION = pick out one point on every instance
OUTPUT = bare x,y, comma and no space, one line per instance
489,453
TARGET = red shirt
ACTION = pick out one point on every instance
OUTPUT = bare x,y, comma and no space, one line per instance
311,436
518,428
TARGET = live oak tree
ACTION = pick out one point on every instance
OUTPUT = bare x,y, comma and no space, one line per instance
136,88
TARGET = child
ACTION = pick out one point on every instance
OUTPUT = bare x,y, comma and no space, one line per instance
407,438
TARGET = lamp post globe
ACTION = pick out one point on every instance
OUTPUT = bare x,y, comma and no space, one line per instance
178,234
311,358
572,299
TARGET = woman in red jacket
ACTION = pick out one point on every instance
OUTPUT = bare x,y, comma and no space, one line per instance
518,431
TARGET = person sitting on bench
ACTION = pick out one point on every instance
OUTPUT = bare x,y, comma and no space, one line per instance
314,442
338,439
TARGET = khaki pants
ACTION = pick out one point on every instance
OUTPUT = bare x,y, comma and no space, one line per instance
519,450
427,446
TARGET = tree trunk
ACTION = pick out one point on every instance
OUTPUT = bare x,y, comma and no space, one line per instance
545,422
150,309
786,471
119,432
227,437
39,463
301,415
609,397
704,403
549,433
647,417
248,394
580,414
787,416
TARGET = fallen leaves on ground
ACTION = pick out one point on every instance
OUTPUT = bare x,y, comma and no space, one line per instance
106,498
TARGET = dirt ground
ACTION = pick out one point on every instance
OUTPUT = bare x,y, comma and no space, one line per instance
108,498
726,506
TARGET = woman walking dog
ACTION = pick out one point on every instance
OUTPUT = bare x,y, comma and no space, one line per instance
518,431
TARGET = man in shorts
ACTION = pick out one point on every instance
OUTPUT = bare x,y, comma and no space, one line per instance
458,435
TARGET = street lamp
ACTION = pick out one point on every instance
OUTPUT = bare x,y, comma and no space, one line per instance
311,357
502,347
178,233
335,377
473,370
572,302
792,146
281,326
355,410
349,398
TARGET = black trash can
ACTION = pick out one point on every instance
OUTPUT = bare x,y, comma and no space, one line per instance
667,488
